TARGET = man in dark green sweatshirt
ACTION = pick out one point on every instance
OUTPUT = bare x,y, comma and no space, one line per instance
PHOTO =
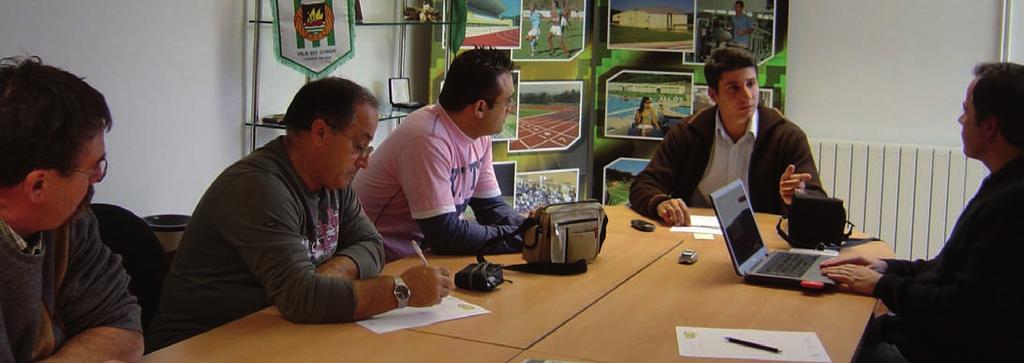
283,227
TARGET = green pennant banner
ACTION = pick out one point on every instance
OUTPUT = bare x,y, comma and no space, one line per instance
458,26
313,36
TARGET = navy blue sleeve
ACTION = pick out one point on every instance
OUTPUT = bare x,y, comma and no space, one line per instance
446,234
494,211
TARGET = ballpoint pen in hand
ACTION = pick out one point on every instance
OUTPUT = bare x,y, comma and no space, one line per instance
419,252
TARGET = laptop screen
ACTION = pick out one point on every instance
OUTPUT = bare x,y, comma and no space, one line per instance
739,227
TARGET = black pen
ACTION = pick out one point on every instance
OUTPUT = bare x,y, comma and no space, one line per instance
753,345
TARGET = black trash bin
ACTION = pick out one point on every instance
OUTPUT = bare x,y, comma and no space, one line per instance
168,228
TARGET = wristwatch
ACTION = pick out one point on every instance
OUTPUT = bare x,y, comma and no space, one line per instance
402,292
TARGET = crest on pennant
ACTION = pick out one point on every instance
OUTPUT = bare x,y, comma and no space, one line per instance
319,36
314,21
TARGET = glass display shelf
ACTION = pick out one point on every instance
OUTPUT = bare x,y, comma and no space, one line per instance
382,22
383,115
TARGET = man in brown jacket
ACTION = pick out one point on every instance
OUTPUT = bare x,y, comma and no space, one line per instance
736,139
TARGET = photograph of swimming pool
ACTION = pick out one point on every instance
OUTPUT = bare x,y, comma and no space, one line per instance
645,104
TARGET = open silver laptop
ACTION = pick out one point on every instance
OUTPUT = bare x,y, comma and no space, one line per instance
750,257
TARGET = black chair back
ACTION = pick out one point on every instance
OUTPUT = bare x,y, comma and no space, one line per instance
142,255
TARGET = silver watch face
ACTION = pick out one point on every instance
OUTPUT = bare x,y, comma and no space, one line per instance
402,292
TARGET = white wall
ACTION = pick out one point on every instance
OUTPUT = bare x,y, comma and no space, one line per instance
174,76
1017,31
886,71
375,60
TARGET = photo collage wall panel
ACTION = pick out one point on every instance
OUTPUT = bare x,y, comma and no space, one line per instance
649,73
599,83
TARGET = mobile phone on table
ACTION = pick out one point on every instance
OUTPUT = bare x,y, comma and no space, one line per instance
688,256
642,225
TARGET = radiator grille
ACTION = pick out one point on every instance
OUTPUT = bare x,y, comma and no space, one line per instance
908,195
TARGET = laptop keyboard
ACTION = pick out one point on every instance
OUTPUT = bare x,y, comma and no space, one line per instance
788,264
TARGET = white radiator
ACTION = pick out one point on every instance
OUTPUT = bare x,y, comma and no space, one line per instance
908,195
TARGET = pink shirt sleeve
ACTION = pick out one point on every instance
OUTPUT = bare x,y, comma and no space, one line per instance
487,185
425,177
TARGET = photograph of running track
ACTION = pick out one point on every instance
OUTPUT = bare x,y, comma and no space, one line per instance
493,23
538,43
618,176
540,188
670,99
652,25
549,116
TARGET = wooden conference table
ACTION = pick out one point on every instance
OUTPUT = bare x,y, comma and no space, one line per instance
625,308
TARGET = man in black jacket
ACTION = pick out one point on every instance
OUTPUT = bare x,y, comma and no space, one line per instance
960,305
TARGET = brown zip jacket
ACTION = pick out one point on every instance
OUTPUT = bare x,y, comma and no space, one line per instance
679,163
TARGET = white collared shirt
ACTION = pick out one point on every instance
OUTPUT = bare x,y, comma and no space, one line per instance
729,161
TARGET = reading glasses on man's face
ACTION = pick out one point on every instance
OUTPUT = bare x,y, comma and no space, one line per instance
97,173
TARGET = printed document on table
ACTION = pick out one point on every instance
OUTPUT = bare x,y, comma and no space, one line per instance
711,343
701,224
692,229
450,308
704,221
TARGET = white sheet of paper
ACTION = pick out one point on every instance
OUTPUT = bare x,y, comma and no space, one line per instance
711,343
704,221
703,236
702,225
450,308
691,229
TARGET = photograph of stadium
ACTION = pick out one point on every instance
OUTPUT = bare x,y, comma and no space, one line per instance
539,188
492,23
702,101
645,104
510,130
719,26
651,25
549,116
618,176
551,30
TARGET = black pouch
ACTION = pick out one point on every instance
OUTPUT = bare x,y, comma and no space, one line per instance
816,222
481,276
